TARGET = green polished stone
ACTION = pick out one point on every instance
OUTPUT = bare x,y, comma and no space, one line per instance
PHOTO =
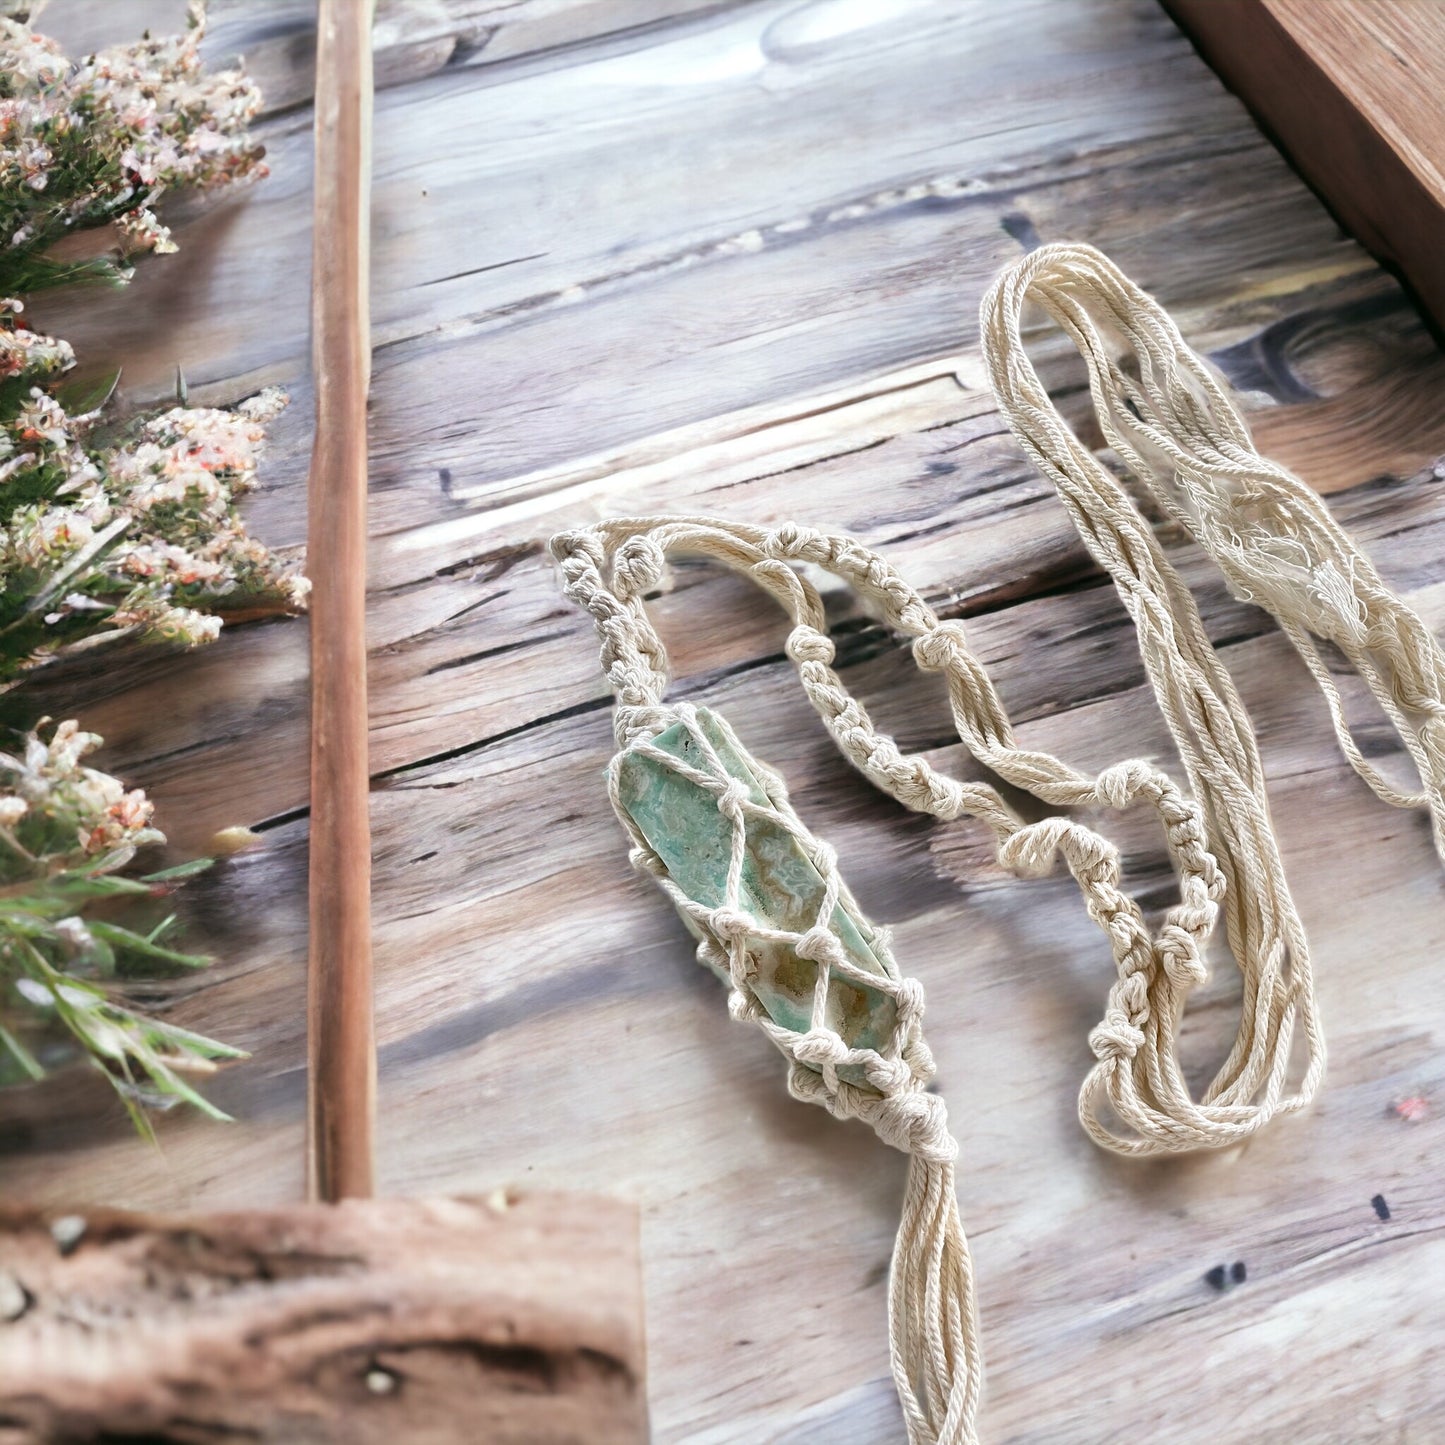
780,885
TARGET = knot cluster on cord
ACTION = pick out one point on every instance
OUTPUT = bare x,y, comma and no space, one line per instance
1136,1100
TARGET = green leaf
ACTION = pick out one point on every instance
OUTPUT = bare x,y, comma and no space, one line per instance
181,870
20,1054
130,942
21,273
83,395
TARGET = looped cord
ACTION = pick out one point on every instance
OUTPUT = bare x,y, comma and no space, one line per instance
1278,546
1167,418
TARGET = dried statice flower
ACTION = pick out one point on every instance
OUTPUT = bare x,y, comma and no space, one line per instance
99,142
65,831
141,536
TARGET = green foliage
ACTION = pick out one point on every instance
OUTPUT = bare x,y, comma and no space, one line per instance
66,831
97,143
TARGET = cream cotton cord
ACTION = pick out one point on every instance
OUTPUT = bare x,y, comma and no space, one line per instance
1137,1079
1135,1099
1271,535
935,1354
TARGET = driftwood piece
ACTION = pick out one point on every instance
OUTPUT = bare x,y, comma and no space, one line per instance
515,1321
692,269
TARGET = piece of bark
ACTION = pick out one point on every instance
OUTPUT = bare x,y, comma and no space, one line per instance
515,1321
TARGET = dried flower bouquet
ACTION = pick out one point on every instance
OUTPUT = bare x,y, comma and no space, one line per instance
108,528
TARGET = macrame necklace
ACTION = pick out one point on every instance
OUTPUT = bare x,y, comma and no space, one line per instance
764,898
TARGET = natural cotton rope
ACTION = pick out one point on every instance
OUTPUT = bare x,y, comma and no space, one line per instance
1273,537
936,1360
933,1318
1277,545
1135,1100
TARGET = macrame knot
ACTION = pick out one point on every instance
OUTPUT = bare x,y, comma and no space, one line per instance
574,550
743,1007
823,856
908,1001
939,648
637,567
729,924
731,798
819,1049
819,945
911,613
915,1123
638,697
1116,1038
788,540
1117,786
807,644
888,1076
1179,955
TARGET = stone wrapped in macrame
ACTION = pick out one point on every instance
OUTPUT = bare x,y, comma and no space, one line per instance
775,920
702,815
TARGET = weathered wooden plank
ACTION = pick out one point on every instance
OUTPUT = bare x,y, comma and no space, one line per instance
826,373
413,40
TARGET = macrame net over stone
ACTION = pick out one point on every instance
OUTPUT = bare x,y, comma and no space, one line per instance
774,918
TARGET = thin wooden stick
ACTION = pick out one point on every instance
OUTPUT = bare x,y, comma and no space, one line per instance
342,1091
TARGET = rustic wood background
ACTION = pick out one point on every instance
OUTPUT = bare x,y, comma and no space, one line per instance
637,255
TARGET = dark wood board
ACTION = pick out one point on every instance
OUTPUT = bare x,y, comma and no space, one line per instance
1352,90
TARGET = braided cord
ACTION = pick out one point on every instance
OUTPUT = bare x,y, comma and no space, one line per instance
1135,1100
1277,545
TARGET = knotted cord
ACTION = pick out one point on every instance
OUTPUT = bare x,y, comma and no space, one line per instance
933,1324
1271,534
1277,545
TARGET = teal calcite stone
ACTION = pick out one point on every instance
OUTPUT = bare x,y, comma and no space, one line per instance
780,885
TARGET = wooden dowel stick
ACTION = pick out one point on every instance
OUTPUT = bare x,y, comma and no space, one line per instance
342,1087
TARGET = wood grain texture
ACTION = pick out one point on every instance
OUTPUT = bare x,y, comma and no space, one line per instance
1352,90
341,1078
514,1320
731,263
